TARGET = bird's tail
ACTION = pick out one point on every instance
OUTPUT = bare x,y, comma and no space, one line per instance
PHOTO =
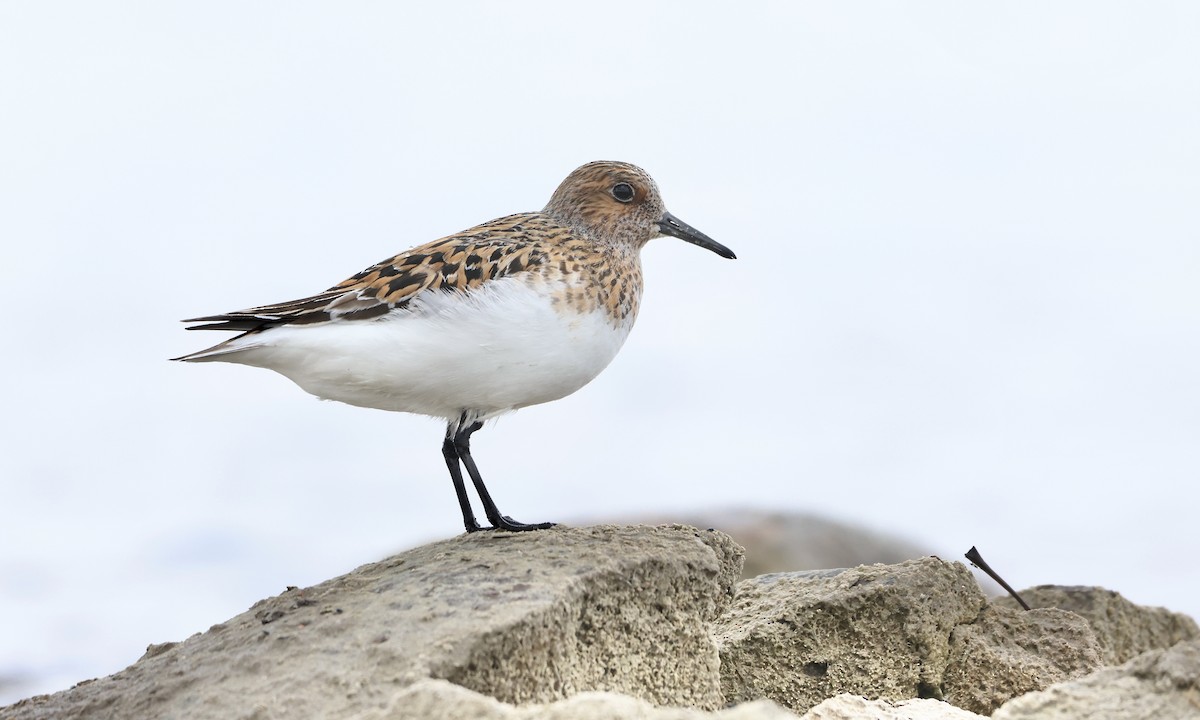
221,351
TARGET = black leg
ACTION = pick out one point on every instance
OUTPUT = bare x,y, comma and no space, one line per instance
460,488
462,446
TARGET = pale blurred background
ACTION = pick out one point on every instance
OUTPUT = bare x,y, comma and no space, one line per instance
964,310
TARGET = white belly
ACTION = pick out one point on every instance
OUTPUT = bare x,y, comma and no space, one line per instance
500,348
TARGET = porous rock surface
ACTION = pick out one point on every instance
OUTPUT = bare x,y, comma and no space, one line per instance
521,617
1124,630
919,629
1006,652
1157,685
641,622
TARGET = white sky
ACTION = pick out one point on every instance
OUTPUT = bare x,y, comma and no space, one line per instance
965,309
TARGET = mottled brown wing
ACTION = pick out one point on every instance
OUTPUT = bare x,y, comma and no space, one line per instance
456,263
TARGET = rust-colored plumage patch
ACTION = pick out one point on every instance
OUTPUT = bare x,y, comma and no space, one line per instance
578,274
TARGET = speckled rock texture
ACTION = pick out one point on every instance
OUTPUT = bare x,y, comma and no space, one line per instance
1005,653
1123,629
882,631
643,622
1157,685
522,617
919,629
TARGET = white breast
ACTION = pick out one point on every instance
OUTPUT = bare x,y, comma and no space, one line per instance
502,347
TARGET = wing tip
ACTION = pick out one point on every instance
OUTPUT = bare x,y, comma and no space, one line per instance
231,322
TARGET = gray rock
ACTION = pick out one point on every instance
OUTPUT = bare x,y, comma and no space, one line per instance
1005,653
522,617
919,629
619,622
1157,685
882,631
1125,630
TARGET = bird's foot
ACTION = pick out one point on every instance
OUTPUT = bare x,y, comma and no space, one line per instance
504,522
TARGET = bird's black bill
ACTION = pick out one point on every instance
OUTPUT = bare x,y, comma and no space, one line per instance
673,226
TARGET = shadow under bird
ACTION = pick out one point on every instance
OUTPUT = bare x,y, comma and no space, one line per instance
518,311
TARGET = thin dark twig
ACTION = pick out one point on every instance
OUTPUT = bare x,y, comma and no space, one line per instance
977,560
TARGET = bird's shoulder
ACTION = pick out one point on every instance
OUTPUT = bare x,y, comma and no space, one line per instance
464,261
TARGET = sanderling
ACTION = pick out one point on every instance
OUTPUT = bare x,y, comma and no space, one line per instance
518,311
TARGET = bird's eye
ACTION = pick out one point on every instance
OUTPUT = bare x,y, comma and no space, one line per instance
623,192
